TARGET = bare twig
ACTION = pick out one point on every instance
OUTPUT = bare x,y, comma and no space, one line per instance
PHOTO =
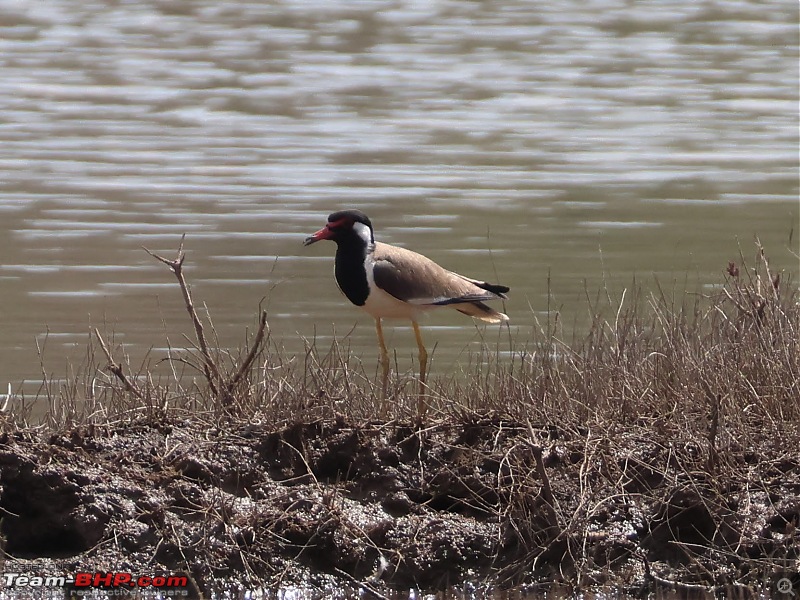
116,368
8,396
368,589
251,356
547,490
674,585
176,266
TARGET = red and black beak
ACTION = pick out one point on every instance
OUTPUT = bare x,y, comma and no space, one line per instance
323,234
328,232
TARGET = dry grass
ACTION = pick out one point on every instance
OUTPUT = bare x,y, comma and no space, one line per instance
689,404
726,358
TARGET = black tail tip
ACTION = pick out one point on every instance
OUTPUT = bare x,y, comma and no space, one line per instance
495,288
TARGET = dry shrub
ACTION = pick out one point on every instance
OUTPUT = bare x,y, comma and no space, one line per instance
731,354
693,360
675,415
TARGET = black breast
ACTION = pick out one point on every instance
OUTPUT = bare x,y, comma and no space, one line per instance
351,275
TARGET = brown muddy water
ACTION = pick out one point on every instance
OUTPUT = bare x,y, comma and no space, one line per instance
507,140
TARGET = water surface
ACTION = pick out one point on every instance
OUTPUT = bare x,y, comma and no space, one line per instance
507,140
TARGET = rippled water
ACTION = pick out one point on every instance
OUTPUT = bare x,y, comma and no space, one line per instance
507,140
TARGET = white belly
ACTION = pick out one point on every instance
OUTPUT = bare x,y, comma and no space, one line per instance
385,306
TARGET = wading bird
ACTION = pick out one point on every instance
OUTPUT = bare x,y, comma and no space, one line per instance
390,282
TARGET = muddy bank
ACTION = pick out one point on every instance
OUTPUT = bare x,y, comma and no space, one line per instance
388,507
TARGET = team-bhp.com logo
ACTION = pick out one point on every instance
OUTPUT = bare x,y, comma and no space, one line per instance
166,585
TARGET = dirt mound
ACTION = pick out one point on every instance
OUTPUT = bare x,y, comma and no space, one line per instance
385,507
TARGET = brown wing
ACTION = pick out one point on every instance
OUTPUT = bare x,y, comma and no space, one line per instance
416,279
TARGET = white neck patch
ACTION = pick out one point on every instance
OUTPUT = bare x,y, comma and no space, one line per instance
365,233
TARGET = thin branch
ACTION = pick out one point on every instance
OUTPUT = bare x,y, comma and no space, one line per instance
674,585
8,396
176,266
116,368
547,490
251,356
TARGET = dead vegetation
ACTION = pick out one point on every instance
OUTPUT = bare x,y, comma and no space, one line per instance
659,452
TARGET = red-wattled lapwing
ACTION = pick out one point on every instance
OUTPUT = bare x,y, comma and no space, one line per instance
395,283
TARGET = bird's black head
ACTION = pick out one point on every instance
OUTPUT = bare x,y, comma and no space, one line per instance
342,225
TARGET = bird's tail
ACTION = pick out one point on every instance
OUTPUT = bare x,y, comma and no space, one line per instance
479,310
494,288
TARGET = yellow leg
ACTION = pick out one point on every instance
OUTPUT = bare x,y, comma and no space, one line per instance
423,369
384,358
